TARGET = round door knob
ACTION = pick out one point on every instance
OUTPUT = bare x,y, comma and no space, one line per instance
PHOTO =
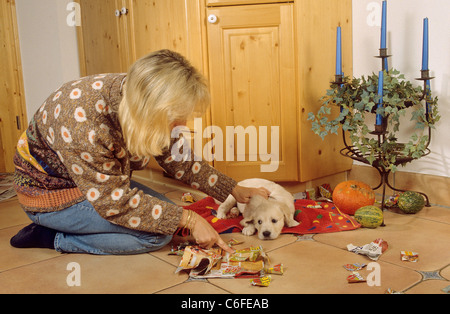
117,13
124,11
212,19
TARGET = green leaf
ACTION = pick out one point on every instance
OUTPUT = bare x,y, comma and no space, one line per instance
371,158
358,97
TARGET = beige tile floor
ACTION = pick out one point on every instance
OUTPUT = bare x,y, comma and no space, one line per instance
313,264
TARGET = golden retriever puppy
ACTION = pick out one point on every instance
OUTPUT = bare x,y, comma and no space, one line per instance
268,217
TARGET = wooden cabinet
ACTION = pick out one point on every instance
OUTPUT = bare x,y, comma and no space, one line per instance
316,23
13,118
168,24
268,61
270,64
212,3
115,33
252,75
101,39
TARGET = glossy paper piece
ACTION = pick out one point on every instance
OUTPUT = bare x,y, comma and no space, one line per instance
188,198
277,270
409,256
355,278
202,260
261,282
354,267
215,263
372,250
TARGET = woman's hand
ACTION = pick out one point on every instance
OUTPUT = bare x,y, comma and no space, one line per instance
206,236
203,233
244,194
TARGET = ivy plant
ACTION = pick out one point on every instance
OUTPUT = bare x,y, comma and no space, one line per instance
357,98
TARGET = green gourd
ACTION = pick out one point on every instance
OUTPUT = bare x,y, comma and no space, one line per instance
369,216
411,202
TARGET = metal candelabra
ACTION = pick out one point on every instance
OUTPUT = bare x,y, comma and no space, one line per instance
380,131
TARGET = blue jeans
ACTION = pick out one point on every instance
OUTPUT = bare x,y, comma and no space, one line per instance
82,230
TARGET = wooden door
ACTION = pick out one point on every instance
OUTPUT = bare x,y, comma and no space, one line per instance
101,38
167,24
252,77
13,121
317,21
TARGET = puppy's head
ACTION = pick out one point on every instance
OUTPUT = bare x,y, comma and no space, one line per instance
268,217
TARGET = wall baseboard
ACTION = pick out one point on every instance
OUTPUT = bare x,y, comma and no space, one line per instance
436,187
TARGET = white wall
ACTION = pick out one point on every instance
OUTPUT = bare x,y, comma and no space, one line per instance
405,31
48,47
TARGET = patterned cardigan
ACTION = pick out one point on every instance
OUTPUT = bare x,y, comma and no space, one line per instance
73,150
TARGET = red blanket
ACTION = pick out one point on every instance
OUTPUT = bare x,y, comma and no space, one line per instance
312,219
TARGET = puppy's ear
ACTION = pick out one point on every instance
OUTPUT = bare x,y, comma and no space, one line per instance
288,217
250,209
247,221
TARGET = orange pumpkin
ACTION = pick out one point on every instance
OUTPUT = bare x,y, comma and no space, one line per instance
349,196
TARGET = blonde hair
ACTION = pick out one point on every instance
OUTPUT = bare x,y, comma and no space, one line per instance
161,88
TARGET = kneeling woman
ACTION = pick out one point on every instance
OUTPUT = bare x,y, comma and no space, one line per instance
75,161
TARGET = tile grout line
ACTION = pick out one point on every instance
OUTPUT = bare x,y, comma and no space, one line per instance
229,292
14,226
159,258
423,278
32,263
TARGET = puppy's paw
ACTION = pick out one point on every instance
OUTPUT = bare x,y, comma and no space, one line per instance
233,213
292,223
249,230
222,212
221,215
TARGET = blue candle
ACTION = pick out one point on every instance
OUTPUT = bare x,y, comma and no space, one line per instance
380,93
339,52
428,106
425,45
385,65
384,26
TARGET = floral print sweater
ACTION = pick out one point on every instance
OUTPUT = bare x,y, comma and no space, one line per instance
73,150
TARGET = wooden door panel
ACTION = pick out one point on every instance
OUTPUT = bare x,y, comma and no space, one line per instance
155,29
252,75
316,32
101,44
13,120
167,24
255,97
